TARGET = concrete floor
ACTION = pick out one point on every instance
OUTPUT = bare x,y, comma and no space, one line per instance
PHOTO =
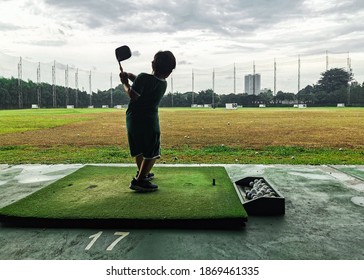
324,220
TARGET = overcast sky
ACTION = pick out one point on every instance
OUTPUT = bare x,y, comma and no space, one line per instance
203,35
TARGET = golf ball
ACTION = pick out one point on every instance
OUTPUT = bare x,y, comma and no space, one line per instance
259,194
249,195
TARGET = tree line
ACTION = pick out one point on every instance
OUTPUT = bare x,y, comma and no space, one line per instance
48,96
335,86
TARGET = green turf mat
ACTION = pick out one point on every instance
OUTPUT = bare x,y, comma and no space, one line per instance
101,193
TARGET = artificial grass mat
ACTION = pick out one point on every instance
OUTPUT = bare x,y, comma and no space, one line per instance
99,196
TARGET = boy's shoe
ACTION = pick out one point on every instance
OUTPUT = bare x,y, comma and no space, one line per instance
142,186
149,177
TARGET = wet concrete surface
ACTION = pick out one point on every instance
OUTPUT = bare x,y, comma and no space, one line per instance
322,222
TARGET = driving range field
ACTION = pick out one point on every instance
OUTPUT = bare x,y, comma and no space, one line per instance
189,135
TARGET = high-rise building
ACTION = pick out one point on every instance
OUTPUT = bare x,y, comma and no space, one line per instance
252,84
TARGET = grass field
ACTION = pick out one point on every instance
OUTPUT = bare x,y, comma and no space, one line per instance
247,135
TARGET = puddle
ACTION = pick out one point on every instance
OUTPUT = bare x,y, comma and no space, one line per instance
311,176
8,174
34,174
358,200
19,181
346,179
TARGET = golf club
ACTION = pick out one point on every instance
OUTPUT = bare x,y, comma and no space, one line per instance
122,53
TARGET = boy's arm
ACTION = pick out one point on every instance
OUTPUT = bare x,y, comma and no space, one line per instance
129,91
131,77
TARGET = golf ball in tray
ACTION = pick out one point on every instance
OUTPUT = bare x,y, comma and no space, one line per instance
259,197
259,188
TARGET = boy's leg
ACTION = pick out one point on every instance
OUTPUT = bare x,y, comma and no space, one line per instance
145,167
139,161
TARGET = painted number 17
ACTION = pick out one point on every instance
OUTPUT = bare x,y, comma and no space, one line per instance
112,245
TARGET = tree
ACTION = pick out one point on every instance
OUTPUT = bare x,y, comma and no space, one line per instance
282,97
333,80
265,97
306,95
204,97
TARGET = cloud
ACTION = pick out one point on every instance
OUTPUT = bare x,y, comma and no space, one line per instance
251,26
202,34
224,17
8,26
48,43
136,53
184,62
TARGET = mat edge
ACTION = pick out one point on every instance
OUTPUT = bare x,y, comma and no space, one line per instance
221,223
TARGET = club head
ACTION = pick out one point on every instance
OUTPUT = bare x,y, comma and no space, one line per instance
122,53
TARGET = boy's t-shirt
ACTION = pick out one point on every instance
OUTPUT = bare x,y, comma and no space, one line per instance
151,90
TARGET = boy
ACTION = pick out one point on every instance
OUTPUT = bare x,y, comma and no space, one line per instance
142,120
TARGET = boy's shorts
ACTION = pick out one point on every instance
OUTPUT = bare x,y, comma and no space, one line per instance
144,138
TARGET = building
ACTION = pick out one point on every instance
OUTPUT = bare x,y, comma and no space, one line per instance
252,84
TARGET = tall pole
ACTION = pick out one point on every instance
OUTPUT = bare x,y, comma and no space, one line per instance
54,94
111,92
193,87
299,74
213,79
66,84
348,62
299,77
38,86
76,85
349,80
172,90
234,79
90,87
253,77
327,60
275,78
20,85
213,88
